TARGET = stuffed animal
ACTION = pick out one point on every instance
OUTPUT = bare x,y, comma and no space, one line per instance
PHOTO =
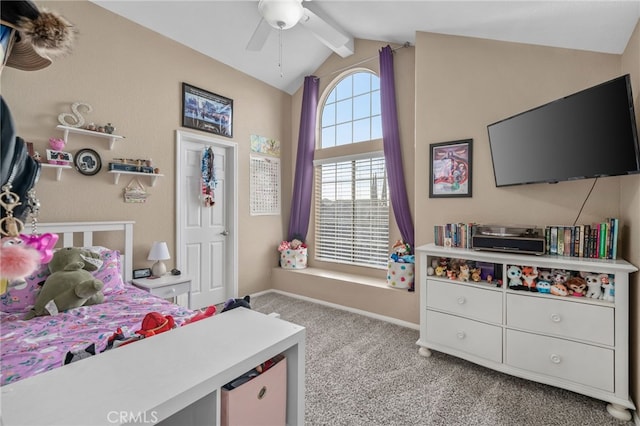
155,323
440,271
57,144
209,312
514,274
237,303
17,260
608,288
475,275
594,286
560,276
577,286
70,284
465,272
545,278
558,289
529,275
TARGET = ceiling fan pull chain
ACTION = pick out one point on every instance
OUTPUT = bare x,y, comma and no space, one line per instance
280,51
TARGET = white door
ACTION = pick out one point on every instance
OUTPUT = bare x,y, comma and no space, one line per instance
206,236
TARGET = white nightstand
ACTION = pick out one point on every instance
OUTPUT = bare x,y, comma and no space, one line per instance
166,286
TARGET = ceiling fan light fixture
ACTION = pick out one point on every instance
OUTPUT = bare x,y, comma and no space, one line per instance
281,14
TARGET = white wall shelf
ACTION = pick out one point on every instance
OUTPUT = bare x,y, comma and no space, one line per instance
58,168
111,137
152,176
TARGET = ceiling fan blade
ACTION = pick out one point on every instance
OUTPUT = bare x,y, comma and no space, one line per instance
326,30
259,37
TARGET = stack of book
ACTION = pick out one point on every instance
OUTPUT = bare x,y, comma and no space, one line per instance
454,234
597,240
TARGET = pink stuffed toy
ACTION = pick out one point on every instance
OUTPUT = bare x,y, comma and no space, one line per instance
57,144
209,312
17,260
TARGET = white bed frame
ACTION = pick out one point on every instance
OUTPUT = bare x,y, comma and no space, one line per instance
174,378
68,230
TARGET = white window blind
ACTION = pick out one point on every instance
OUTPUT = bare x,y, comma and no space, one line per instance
352,212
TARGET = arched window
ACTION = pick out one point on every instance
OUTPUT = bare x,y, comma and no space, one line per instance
351,203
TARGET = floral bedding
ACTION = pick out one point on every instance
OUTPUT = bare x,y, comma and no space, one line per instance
30,347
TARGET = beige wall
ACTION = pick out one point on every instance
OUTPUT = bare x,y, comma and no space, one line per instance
132,77
630,214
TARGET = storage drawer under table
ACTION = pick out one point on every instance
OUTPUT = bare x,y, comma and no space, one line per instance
578,362
564,318
465,300
171,291
473,337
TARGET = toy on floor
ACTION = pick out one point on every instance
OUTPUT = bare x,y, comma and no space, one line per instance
230,304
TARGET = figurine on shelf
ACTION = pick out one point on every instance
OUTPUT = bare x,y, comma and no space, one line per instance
57,144
514,274
91,126
475,275
109,128
465,272
608,288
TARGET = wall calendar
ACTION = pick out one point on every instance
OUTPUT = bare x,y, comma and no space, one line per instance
264,185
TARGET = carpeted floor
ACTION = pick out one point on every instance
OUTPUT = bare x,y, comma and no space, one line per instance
362,371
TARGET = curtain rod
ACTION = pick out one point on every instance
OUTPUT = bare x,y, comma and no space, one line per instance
406,44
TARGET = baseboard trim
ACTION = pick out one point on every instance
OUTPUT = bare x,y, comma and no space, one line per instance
391,320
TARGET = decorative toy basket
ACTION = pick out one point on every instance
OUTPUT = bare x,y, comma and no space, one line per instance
400,275
293,258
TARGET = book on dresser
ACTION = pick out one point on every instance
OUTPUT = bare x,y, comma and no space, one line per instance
545,318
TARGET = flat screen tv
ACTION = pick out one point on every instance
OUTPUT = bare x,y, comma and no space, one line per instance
588,134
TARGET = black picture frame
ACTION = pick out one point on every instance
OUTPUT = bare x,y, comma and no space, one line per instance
206,111
450,169
87,162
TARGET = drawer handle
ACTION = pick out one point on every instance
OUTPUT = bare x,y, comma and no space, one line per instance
461,300
461,335
555,358
555,318
262,392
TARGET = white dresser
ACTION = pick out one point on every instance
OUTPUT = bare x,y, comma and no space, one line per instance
576,343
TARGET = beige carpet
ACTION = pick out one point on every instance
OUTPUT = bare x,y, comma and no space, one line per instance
362,371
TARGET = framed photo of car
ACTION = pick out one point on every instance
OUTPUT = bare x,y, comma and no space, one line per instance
206,111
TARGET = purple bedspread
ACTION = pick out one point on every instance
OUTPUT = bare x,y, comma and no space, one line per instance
41,344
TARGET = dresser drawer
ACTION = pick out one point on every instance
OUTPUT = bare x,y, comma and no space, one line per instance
171,291
475,338
464,300
577,362
562,318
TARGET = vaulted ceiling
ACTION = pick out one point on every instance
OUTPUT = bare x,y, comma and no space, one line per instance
224,29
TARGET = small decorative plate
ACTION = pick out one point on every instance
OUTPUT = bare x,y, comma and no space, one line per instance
87,162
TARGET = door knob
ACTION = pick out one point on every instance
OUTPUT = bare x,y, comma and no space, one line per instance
224,233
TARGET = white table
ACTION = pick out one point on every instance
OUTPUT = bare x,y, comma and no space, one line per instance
173,378
166,286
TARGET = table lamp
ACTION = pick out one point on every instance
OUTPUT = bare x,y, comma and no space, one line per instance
159,252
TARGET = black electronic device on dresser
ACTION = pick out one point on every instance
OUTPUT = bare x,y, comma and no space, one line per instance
526,240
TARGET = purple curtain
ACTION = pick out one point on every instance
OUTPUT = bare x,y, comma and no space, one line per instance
391,145
303,182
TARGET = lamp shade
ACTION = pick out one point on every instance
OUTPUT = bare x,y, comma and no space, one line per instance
159,251
281,14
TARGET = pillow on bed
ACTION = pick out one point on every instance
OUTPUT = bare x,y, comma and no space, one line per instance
22,298
110,273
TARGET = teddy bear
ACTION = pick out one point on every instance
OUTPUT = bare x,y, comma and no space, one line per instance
529,275
57,144
594,286
70,284
577,286
514,274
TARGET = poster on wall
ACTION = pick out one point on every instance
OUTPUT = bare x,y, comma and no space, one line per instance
450,169
264,185
206,111
264,145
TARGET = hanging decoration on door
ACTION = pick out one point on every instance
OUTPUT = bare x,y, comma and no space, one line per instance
208,178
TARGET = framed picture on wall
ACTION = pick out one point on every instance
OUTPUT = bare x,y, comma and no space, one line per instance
206,111
450,166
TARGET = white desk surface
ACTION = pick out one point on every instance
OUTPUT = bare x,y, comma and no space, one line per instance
160,374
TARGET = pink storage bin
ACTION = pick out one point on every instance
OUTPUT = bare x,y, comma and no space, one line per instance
262,401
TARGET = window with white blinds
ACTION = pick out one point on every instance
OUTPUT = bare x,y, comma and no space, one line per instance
352,212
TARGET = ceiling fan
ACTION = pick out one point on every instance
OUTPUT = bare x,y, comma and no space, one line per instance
285,14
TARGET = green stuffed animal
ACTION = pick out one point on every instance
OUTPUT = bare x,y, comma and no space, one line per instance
70,284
